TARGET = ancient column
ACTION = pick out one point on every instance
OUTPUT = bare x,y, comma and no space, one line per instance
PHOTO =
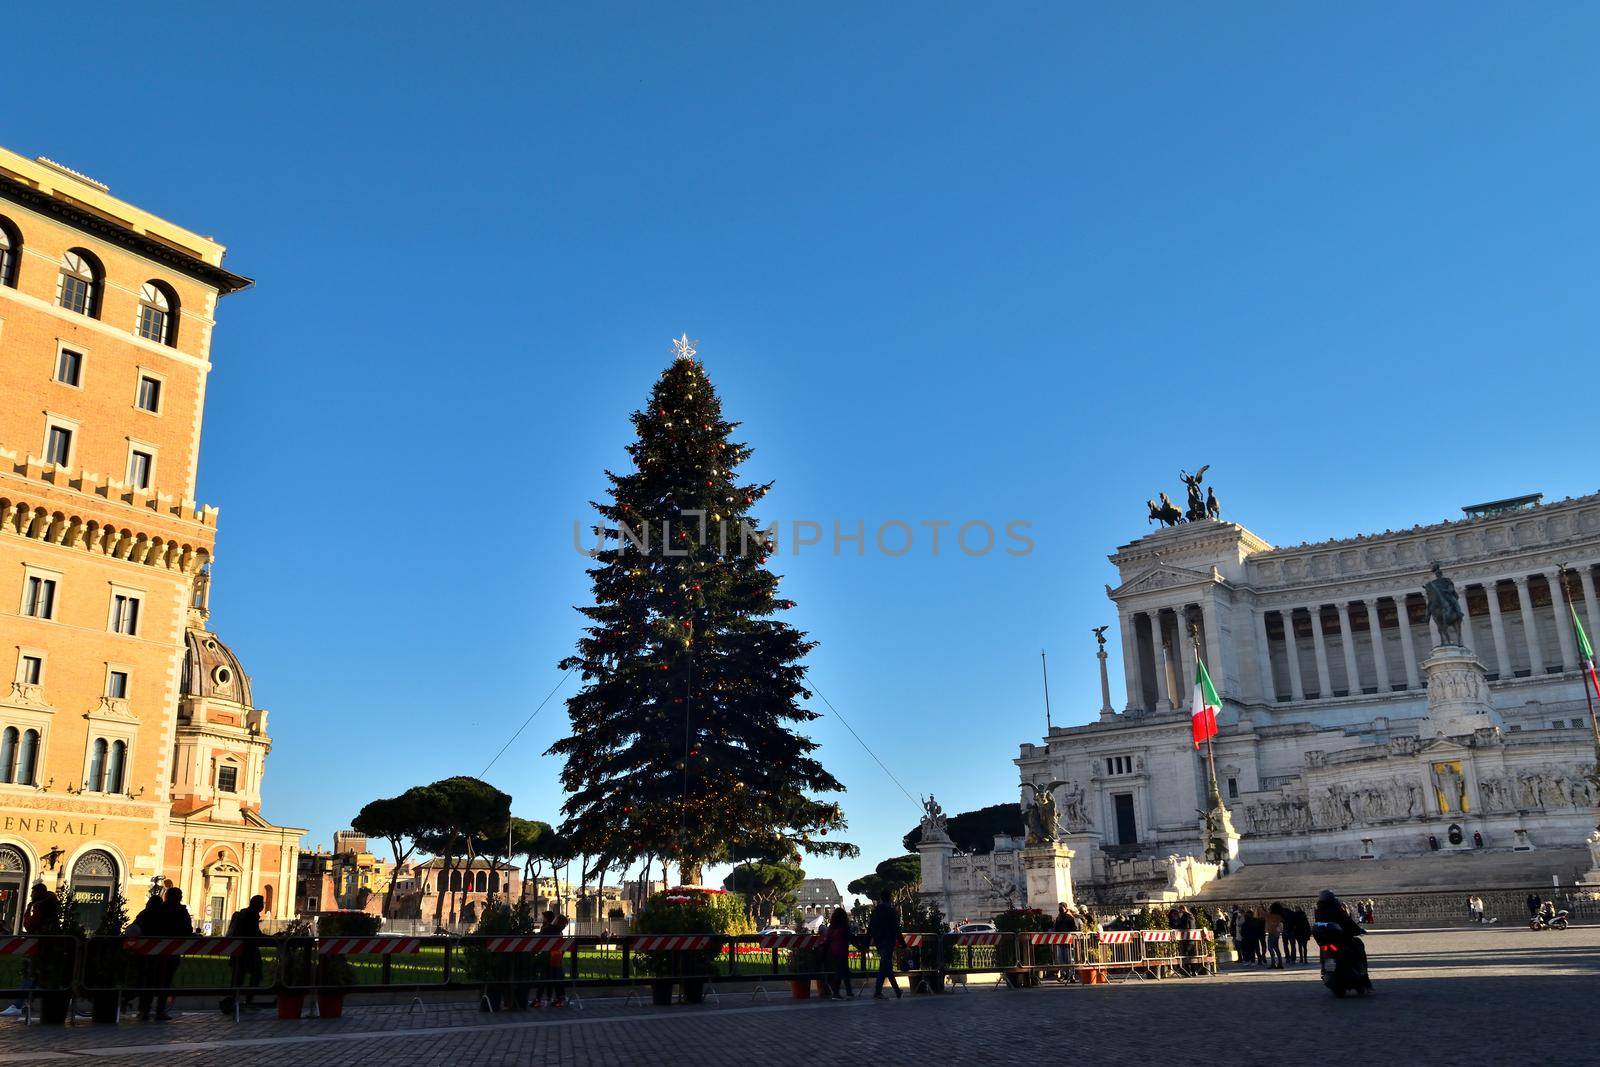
1130,659
1106,710
1269,691
1558,602
1407,642
1352,673
1502,653
1530,628
1164,669
1466,621
1320,646
1297,689
1185,645
1380,658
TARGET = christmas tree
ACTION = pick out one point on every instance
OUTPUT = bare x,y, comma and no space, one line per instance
682,743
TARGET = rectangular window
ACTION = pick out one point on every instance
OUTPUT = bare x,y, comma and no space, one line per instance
58,446
39,598
124,613
140,466
1577,723
117,685
74,294
149,398
1233,789
227,779
69,367
31,671
152,324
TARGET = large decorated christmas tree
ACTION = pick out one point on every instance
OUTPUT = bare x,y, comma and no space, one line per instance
683,743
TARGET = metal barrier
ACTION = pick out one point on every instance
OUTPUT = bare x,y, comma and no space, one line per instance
508,969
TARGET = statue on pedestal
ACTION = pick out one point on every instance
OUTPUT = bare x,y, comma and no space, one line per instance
1444,606
934,826
1042,819
1197,502
1166,512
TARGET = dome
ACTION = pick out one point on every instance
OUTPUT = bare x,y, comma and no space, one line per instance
211,670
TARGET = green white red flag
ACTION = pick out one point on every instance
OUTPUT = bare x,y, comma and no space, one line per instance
1203,714
1585,649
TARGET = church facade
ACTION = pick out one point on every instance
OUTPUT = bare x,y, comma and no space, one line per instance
1350,726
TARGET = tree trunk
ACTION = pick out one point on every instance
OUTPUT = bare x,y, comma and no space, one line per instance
690,872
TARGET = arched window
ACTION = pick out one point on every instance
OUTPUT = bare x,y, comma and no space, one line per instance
158,313
8,754
114,766
483,881
494,881
10,252
441,882
96,782
78,288
28,758
455,881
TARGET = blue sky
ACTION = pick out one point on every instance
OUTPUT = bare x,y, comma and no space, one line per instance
947,262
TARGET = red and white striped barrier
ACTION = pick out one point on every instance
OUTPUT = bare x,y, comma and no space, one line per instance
790,940
1056,938
182,946
976,939
913,940
18,946
1156,935
546,943
1117,937
368,946
668,943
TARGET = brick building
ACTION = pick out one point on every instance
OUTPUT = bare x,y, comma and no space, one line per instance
130,747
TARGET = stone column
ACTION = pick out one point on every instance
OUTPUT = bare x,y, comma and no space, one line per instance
1530,628
1433,632
1466,622
1320,645
1269,691
1164,672
1185,646
1106,710
1590,601
1407,642
1129,624
1297,689
1558,601
1352,673
1497,624
1380,658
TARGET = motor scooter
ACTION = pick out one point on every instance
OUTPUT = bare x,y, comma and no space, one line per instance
1558,921
1341,960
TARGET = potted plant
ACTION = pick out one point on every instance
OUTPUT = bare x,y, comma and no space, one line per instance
336,972
507,977
105,962
687,910
804,963
1014,953
293,972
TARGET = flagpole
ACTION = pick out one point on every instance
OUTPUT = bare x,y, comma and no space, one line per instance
1043,667
1215,797
1588,697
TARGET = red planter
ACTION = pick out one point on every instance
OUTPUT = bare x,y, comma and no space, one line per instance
801,988
330,1005
290,1005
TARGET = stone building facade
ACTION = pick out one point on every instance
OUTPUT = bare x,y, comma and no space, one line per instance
1349,728
130,751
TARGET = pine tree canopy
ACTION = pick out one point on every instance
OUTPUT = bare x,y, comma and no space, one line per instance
682,740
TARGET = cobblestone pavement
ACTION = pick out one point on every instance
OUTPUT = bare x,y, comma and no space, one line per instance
1497,995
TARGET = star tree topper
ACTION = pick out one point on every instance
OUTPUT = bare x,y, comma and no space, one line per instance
683,347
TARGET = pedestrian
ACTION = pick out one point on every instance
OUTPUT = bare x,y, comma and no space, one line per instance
1533,904
836,947
557,983
883,930
163,916
41,916
1248,924
1302,932
246,923
1275,934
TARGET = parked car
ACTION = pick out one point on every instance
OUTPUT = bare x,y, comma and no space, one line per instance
977,928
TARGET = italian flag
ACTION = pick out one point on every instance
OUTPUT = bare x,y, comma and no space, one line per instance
1585,649
1203,716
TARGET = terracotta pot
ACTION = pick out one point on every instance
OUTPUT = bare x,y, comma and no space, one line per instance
330,1005
801,988
54,1008
290,1005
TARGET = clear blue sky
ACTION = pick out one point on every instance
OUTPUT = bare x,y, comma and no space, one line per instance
1017,261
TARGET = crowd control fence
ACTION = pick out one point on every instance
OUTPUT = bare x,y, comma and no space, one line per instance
316,974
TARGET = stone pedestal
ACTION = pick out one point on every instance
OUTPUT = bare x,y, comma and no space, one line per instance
1048,870
936,850
1458,692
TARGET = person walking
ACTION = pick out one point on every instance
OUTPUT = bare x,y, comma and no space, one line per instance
883,930
41,916
1275,934
246,923
162,917
1533,904
836,947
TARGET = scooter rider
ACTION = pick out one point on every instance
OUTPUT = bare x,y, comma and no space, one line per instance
1330,910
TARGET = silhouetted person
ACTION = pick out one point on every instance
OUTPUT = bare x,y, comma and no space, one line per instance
836,947
246,923
883,930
